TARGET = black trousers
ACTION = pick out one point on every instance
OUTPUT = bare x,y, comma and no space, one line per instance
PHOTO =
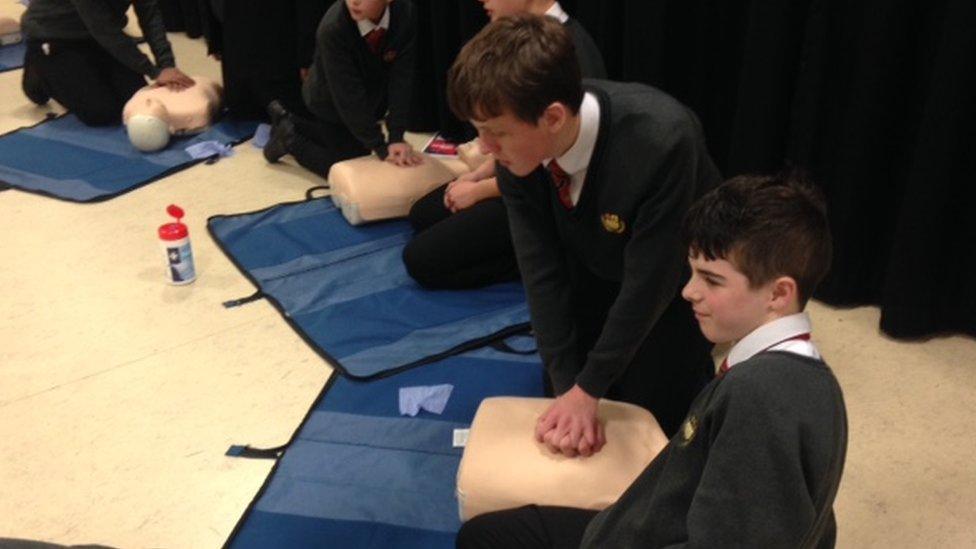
319,145
247,96
671,366
468,249
83,77
529,527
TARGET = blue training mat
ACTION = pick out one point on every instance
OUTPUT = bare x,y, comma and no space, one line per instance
63,158
359,475
12,56
345,290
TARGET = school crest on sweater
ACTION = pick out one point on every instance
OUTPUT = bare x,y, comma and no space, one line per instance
613,224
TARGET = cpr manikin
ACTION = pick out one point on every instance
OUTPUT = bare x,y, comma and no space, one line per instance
156,112
369,189
504,467
9,31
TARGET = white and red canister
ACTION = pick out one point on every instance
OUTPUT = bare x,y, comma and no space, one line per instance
176,243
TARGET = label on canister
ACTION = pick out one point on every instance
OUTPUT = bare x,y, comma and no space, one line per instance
179,258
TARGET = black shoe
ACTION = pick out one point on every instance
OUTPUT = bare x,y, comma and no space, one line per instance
277,112
282,137
33,86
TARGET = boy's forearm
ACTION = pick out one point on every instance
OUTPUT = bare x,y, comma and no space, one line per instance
544,276
150,18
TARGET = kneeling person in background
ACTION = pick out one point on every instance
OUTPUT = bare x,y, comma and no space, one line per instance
364,66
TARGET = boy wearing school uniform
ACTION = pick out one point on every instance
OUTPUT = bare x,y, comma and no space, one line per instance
595,182
462,238
758,460
363,70
79,55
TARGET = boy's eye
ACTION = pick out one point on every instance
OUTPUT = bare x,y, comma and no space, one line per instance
711,281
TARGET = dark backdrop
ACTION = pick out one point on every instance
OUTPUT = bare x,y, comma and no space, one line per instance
876,99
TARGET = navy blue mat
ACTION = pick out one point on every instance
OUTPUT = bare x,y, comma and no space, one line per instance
62,158
359,475
345,290
12,56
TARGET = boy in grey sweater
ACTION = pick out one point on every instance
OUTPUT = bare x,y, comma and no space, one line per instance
758,460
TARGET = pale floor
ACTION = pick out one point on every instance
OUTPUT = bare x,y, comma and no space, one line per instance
119,393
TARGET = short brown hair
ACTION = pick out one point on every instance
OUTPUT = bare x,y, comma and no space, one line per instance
767,226
521,64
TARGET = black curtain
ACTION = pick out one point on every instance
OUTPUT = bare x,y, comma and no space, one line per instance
182,16
876,99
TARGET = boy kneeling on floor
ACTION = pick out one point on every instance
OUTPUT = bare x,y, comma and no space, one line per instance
758,460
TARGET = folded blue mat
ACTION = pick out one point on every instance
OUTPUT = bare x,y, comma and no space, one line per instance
12,56
359,475
345,290
63,158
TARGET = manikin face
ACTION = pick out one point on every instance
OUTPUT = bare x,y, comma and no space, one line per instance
361,10
726,308
518,145
497,9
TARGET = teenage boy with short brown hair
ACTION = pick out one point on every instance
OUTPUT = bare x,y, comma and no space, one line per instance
595,181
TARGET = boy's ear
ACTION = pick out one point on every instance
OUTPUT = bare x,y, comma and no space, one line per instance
784,295
554,117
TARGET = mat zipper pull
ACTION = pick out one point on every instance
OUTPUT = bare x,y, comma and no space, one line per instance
244,300
247,451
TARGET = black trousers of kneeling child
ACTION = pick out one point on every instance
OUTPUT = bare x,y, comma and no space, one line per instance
82,76
471,248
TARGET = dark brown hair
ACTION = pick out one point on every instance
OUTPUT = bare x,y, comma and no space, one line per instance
520,64
767,226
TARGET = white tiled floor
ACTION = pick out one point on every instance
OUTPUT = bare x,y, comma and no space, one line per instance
119,394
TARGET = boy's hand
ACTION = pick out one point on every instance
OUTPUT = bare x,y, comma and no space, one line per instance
174,79
463,193
570,425
403,155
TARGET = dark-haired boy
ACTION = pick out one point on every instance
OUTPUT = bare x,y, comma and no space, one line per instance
363,70
759,458
595,182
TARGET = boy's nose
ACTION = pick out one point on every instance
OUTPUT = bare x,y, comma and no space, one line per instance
687,292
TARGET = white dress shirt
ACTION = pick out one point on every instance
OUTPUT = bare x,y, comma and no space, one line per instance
366,26
776,336
558,12
576,159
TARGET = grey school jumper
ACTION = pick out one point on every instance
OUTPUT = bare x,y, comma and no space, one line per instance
350,85
649,164
758,459
103,21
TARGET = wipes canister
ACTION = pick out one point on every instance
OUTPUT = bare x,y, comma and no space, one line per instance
176,244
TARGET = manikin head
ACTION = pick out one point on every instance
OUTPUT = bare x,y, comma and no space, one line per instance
147,124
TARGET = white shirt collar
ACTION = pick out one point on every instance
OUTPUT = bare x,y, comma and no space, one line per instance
577,158
366,26
777,336
558,12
